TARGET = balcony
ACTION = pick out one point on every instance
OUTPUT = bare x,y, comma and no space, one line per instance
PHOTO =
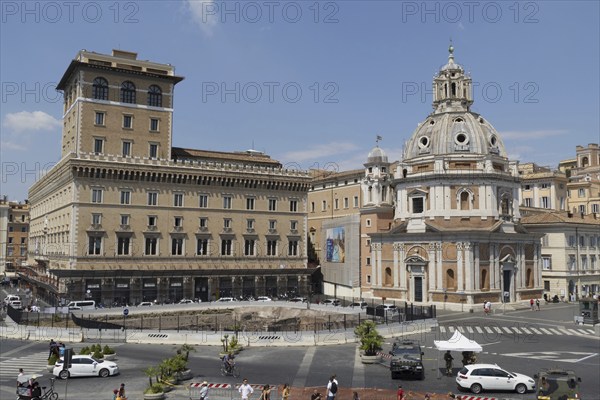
124,227
177,229
152,228
95,228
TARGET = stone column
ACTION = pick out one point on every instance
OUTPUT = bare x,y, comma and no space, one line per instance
536,265
402,266
468,267
459,267
494,273
395,269
379,264
431,273
476,266
439,266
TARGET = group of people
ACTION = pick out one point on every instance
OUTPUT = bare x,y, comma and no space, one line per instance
534,304
487,307
55,348
119,394
28,387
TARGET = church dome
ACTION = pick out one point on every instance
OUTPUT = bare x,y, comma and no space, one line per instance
452,128
377,156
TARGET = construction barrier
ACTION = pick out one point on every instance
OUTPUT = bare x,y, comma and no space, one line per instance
226,391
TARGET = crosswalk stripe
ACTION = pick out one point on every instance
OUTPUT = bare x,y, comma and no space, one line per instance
556,332
536,331
442,329
589,331
517,330
451,329
478,329
506,329
527,331
498,329
461,329
546,331
31,364
565,331
469,329
488,329
575,331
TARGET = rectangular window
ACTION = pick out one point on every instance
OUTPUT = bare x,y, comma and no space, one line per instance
151,220
127,121
152,198
595,208
546,263
272,204
124,219
126,149
23,240
23,229
226,247
545,240
99,118
250,224
151,248
545,203
294,205
572,241
10,251
572,262
250,203
272,224
593,263
417,203
125,197
592,241
23,251
226,223
355,201
323,205
95,245
202,247
10,240
203,201
582,209
271,247
178,222
123,245
96,195
227,202
294,225
527,202
177,246
293,248
368,260
249,247
584,262
98,146
178,200
154,124
527,187
203,222
336,203
581,192
544,186
581,240
346,202
547,286
153,151
96,219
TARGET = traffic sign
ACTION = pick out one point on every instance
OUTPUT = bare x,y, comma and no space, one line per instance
126,311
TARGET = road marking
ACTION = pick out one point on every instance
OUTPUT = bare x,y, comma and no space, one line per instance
506,329
358,373
488,329
546,331
469,329
451,329
527,331
565,331
442,329
32,363
536,331
302,374
478,329
590,331
461,329
585,358
556,332
498,329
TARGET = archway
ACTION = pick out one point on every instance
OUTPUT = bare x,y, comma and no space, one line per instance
416,267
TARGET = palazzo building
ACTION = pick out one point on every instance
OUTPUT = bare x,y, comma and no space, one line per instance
126,217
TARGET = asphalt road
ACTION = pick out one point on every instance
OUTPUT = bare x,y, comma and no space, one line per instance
510,340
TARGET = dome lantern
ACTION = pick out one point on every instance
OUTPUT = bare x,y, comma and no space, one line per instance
452,89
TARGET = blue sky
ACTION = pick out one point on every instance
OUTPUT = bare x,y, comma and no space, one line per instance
310,83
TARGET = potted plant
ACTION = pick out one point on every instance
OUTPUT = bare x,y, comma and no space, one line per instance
155,390
182,372
109,353
85,351
167,374
97,352
370,342
52,361
230,345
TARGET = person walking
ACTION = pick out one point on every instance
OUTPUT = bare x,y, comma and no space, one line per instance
266,393
332,388
531,304
245,389
285,392
537,304
448,358
400,393
204,391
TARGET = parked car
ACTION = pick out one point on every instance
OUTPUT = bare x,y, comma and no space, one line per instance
145,304
16,304
388,308
333,302
478,377
186,301
298,300
263,298
84,365
358,304
10,298
226,299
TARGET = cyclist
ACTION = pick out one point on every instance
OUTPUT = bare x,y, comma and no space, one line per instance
228,362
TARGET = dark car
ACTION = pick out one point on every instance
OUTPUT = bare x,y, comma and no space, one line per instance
407,360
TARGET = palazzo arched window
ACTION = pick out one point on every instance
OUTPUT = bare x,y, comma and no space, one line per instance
100,89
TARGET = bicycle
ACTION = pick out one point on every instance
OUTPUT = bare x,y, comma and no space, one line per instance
231,371
49,394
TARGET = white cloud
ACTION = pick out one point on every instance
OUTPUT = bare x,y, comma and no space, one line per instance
319,152
530,135
26,121
205,13
8,145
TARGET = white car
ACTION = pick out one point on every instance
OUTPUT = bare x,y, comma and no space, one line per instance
145,304
16,304
388,308
84,365
478,377
186,301
225,299
263,298
298,300
10,298
334,302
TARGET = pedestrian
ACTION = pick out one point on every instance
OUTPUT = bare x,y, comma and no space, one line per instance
355,396
488,307
332,388
122,392
448,358
531,304
400,393
285,392
245,389
52,348
427,396
537,304
316,395
266,393
115,394
19,381
204,391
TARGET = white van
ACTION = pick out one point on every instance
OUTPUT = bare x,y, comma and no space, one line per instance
11,297
16,304
82,305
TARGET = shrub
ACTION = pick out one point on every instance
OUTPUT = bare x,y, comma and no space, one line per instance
85,351
53,359
98,354
370,340
108,350
154,388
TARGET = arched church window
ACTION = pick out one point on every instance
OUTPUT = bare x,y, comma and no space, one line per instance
584,162
453,89
383,193
445,90
387,280
404,172
370,194
464,200
450,282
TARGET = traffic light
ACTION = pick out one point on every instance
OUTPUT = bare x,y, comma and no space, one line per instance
68,355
